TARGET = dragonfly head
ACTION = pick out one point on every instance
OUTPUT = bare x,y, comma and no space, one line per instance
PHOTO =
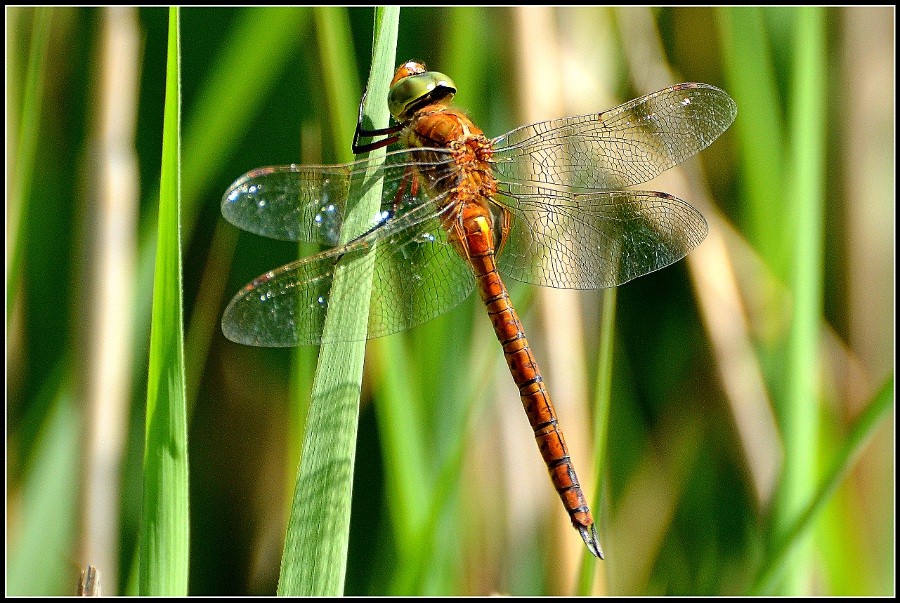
414,87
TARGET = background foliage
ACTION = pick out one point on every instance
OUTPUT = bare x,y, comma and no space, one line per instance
702,477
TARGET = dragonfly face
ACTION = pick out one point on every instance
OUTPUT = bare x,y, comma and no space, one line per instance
548,203
414,87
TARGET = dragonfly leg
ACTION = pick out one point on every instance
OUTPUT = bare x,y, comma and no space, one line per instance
363,133
413,189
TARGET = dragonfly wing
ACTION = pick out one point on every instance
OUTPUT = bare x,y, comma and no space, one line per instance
309,203
594,240
417,276
628,145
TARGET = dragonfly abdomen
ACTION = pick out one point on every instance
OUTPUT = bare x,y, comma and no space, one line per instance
475,243
537,404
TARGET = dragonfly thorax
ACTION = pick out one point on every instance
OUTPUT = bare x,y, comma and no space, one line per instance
437,125
469,176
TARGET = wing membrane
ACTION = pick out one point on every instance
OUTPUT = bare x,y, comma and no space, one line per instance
594,240
417,277
309,203
625,146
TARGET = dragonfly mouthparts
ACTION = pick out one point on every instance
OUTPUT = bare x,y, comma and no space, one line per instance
589,534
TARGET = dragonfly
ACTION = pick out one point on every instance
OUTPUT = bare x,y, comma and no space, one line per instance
548,203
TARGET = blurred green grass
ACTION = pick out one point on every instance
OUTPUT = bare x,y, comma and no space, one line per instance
680,513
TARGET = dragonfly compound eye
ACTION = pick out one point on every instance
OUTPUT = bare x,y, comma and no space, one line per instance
417,90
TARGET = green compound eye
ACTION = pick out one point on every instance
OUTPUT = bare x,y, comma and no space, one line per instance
418,90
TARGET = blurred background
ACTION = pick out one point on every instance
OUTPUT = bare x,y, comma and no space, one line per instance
737,374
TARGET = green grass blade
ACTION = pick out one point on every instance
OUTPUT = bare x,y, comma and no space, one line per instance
164,522
760,129
238,83
25,150
315,552
799,412
336,48
400,425
863,429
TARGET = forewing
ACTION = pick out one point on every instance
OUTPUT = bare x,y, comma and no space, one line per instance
309,203
417,277
594,240
628,145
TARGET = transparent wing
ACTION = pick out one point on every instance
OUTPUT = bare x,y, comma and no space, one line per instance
310,203
417,277
622,147
593,240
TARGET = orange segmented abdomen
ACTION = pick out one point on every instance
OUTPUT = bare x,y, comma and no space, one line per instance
474,241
